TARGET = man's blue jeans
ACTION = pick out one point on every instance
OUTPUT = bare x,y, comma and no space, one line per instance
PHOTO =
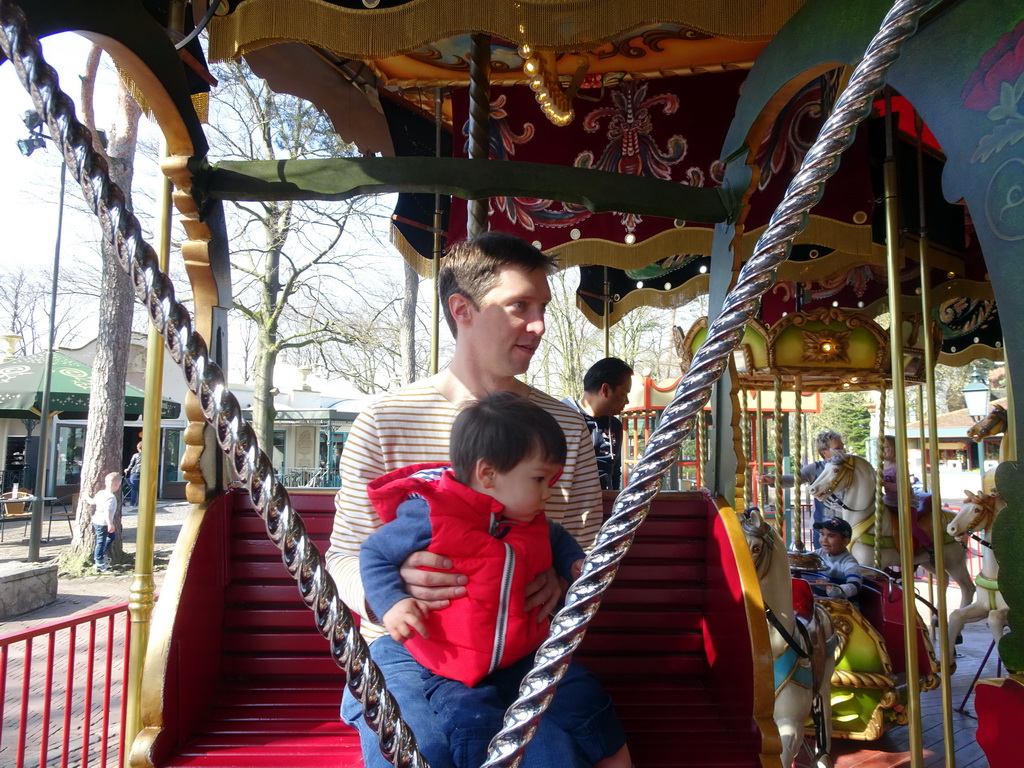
551,747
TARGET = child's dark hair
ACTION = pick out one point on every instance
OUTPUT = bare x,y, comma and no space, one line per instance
503,429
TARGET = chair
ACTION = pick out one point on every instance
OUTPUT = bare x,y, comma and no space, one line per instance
65,507
13,510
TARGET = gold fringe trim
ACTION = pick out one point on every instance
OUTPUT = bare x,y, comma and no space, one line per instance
200,101
555,25
410,254
577,253
647,297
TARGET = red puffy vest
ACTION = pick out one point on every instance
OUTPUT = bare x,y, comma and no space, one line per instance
488,628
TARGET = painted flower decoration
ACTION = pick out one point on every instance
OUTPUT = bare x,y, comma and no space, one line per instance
997,86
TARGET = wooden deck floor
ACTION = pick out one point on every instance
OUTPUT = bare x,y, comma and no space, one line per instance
893,749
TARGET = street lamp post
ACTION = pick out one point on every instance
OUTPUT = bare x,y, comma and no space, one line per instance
36,140
976,395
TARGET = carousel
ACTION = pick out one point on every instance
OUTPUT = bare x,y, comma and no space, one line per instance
664,150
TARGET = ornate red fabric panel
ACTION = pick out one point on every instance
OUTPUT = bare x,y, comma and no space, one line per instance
668,128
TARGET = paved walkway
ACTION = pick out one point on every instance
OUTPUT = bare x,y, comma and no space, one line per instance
75,595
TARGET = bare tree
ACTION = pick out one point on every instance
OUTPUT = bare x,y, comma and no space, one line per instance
292,259
105,436
24,306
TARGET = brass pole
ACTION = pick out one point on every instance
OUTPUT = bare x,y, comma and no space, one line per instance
798,508
780,506
479,119
879,487
938,528
922,410
702,446
606,324
745,442
140,595
435,263
758,491
893,263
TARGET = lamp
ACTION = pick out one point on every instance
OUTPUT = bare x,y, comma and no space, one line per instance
30,145
34,122
976,395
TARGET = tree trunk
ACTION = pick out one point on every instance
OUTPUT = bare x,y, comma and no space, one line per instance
263,413
105,435
408,333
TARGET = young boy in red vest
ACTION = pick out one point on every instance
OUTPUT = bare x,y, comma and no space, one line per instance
485,513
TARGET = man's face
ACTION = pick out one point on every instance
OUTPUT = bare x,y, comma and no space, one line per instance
835,445
615,398
507,328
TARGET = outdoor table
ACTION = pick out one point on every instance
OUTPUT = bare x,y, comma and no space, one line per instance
25,514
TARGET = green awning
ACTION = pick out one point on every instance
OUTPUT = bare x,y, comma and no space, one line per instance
21,388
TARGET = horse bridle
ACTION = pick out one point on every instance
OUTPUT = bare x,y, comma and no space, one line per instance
987,503
844,471
764,557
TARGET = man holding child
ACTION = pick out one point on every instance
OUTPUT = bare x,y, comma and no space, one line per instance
494,292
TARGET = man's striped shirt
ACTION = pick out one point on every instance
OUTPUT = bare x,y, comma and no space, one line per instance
413,425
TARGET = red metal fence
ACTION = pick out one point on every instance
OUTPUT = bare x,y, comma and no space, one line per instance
62,689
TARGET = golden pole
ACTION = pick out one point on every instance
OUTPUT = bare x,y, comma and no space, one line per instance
798,464
605,320
780,506
702,445
140,595
435,263
759,492
938,527
893,263
879,487
745,436
922,411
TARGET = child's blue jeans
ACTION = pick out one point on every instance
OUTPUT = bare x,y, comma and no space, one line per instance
103,540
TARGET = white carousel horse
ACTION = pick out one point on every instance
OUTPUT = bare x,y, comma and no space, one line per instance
846,486
802,651
978,514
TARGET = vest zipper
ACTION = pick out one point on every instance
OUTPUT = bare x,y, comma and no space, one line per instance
504,598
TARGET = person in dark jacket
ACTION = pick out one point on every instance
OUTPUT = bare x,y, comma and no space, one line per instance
485,513
605,393
134,474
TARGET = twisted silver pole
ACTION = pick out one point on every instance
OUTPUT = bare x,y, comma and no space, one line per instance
205,378
756,277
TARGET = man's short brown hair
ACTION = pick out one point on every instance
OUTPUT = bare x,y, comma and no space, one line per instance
471,267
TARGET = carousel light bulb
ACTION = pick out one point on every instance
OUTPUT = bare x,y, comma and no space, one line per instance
826,347
536,84
525,50
530,67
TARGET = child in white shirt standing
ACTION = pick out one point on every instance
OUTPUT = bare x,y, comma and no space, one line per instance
105,501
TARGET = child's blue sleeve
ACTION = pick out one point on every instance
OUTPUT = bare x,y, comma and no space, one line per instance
383,553
565,551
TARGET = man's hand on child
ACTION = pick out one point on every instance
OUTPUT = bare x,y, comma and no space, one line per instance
544,591
407,618
435,588
577,569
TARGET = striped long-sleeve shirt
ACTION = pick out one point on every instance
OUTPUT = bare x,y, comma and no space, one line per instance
413,425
